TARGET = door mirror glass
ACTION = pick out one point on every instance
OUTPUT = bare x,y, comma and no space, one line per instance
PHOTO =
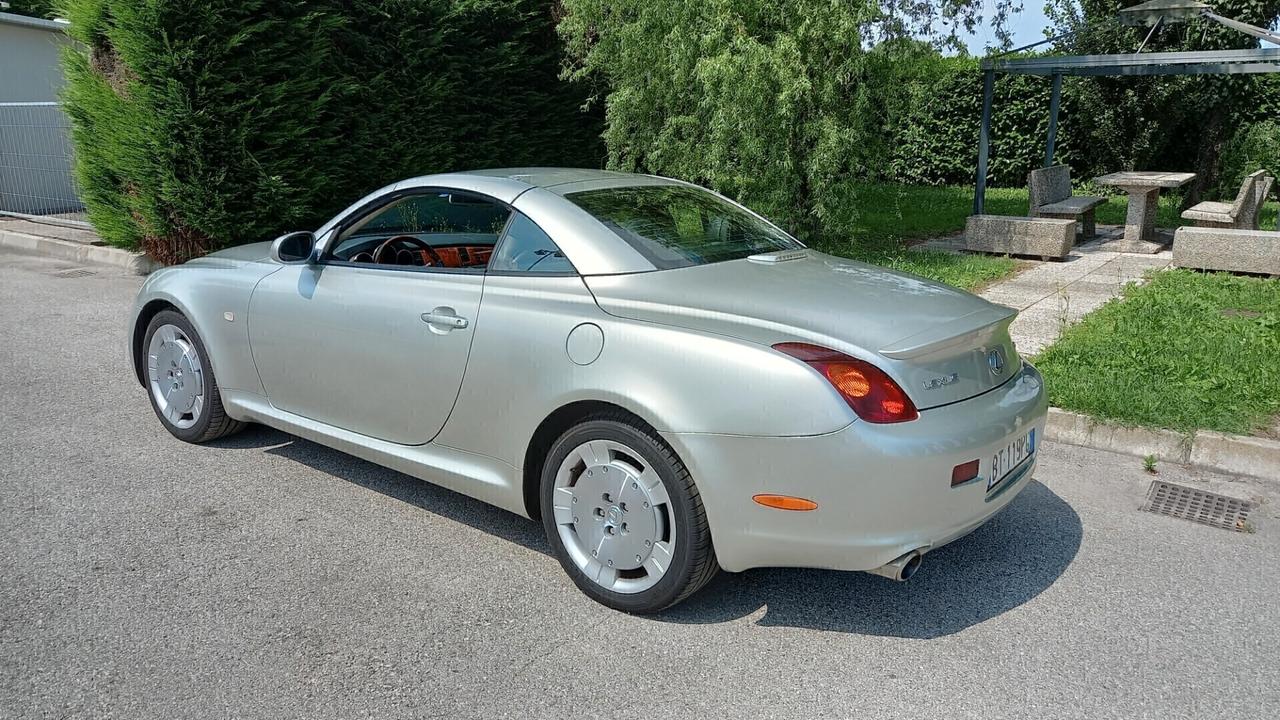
293,247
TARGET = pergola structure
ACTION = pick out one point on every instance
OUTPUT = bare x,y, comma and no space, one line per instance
1210,62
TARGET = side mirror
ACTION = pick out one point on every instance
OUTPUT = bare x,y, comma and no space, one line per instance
293,247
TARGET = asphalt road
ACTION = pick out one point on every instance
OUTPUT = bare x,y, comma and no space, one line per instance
269,577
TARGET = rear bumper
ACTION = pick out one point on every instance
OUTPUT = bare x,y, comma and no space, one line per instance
882,490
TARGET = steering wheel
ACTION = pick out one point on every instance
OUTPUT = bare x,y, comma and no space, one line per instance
379,255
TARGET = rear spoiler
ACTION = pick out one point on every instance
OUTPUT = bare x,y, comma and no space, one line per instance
951,332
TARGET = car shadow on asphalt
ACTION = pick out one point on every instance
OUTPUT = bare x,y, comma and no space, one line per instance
996,568
1000,566
392,483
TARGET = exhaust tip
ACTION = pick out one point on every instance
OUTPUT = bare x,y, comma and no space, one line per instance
900,568
911,566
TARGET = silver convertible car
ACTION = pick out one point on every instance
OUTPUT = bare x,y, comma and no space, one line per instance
668,381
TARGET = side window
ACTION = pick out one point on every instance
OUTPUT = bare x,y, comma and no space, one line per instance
437,228
525,248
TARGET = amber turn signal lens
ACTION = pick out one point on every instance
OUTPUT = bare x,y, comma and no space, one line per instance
785,502
964,473
849,380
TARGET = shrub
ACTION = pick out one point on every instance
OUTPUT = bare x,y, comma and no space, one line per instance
204,124
1253,147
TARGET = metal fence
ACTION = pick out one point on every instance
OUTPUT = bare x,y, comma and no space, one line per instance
35,164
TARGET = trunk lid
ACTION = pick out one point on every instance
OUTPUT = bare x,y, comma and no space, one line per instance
942,345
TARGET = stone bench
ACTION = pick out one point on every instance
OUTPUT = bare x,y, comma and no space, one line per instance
1042,237
1049,193
1242,214
1234,250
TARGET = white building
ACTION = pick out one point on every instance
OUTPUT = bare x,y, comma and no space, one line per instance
35,152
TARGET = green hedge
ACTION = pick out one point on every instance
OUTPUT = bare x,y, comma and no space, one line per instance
936,142
204,124
33,8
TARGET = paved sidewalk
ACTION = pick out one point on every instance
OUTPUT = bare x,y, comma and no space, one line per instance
84,236
1052,296
78,245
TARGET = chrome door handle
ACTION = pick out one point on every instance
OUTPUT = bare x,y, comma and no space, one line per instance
444,316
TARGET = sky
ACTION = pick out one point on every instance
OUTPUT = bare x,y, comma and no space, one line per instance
1027,27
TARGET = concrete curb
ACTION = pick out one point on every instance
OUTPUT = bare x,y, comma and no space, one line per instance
1238,454
78,252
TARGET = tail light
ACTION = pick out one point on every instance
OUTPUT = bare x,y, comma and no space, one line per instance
874,396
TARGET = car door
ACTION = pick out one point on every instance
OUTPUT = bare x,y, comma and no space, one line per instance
375,348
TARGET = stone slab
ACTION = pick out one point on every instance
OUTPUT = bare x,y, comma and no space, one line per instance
1044,237
1233,250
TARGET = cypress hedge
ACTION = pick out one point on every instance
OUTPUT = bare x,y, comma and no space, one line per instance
199,125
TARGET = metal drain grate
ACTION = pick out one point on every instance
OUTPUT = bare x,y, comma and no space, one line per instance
75,273
1199,506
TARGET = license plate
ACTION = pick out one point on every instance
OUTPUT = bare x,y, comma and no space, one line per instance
1010,457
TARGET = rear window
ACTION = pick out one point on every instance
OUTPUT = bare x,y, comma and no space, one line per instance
677,226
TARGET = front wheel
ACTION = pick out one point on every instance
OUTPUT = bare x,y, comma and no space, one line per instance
624,517
180,381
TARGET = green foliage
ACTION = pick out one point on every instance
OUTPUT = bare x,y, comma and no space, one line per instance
759,99
892,216
1162,123
778,105
1254,147
204,124
32,8
1186,351
936,142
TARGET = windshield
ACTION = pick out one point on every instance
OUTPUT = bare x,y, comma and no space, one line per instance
676,226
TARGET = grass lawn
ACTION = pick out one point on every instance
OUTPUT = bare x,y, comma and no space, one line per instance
1187,351
891,216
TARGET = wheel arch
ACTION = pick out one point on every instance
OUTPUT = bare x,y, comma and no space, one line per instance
153,307
552,427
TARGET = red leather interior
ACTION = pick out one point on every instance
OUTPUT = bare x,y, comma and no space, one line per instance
458,256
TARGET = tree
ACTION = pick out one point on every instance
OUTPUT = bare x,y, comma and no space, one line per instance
759,99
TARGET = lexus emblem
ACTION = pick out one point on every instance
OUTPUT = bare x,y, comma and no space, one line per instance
995,361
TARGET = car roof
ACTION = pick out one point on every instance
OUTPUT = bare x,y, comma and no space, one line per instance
593,248
509,183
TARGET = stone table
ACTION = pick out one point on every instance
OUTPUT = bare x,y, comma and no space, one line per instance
1144,188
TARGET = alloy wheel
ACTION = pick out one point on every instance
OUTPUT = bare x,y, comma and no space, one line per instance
614,516
176,376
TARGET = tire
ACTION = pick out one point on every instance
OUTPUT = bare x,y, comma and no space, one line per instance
180,383
614,533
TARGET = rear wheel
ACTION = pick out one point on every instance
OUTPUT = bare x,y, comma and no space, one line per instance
624,516
180,381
